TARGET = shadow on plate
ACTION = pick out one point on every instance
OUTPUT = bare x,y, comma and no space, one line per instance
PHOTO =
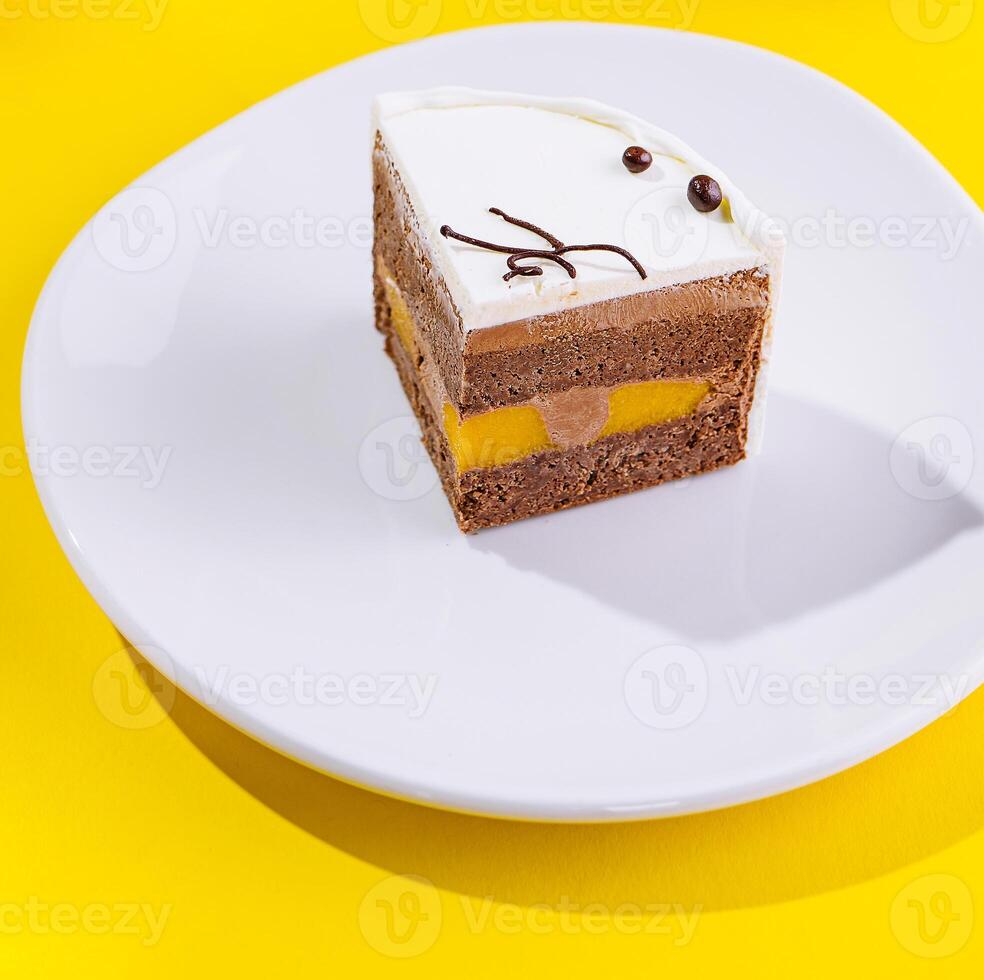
817,517
907,804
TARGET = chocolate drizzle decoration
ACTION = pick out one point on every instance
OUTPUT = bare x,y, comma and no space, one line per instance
554,254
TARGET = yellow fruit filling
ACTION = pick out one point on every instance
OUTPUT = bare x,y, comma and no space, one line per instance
495,438
400,316
507,434
635,406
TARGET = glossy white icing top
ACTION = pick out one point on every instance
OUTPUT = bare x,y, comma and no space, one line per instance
558,164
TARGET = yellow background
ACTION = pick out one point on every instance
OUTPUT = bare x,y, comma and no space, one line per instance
263,867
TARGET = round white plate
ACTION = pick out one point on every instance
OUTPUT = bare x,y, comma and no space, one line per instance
227,459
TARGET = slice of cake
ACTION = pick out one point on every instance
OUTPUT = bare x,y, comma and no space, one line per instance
576,303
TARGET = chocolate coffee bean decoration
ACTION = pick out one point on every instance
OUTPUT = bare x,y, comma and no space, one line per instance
637,159
704,193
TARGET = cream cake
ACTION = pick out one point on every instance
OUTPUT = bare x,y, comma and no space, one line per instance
576,303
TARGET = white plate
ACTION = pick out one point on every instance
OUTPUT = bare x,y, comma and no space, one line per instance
684,648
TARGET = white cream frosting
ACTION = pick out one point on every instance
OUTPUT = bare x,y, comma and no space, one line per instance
558,163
